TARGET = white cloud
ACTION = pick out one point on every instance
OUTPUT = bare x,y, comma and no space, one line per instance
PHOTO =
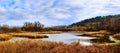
59,13
54,12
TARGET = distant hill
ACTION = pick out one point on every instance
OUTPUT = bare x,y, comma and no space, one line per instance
110,23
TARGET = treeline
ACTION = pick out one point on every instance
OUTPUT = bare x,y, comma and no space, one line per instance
27,26
64,28
34,27
110,23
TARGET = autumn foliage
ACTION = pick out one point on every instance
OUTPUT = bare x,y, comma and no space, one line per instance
110,23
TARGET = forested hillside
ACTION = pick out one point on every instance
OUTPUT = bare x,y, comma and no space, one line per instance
110,23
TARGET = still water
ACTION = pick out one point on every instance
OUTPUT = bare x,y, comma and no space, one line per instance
68,37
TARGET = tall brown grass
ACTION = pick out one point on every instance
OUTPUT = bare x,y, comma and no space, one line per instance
28,35
4,37
96,34
39,46
117,36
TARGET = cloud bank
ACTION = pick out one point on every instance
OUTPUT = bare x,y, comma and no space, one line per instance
54,12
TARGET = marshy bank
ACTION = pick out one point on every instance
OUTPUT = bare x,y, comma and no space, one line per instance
4,37
95,34
117,36
103,37
28,35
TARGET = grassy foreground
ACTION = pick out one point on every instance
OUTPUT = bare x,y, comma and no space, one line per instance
39,46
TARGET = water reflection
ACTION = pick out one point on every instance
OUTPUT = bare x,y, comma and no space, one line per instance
69,37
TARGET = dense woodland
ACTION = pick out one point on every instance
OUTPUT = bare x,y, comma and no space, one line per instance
110,23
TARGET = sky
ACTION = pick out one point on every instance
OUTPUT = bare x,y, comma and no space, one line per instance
54,12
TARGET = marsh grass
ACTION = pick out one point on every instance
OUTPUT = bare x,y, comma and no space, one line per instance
4,37
28,35
40,46
117,36
96,34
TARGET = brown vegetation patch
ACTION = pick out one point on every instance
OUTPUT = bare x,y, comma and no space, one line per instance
29,35
39,46
95,34
4,37
117,36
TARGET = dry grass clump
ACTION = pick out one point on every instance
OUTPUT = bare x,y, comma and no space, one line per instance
95,34
8,47
34,46
29,35
4,37
29,46
117,36
39,46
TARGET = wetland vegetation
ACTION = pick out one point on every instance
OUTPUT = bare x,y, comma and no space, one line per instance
95,35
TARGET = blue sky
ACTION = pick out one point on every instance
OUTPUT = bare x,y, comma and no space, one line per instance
54,12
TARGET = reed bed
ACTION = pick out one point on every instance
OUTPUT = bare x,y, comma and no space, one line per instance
95,34
117,36
29,35
4,37
40,46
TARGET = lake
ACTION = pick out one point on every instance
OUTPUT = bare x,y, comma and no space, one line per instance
66,37
69,37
